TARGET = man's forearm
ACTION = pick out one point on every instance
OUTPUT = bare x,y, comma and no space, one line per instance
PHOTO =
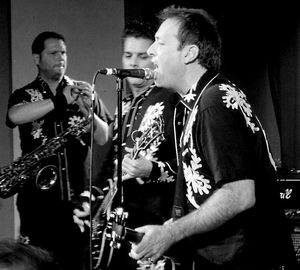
29,112
228,201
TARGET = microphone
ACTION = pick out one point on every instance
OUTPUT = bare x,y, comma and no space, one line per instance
144,73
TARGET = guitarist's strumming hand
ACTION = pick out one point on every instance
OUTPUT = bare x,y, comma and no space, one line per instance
155,243
135,168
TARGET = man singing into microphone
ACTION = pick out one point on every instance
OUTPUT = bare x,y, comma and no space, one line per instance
149,162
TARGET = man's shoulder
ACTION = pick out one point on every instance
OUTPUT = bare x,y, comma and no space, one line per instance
31,85
219,88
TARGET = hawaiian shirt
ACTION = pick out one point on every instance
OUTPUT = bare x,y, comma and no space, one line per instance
70,160
223,141
147,131
213,151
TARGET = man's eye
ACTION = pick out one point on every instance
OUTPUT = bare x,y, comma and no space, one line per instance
144,57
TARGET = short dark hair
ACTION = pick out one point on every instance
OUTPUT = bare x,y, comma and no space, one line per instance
139,29
196,26
38,43
15,253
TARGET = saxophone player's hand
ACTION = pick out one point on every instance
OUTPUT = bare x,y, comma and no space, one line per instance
80,93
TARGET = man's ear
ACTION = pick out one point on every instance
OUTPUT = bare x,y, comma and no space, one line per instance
191,53
36,58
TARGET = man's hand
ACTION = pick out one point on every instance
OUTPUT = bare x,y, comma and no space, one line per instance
82,209
135,168
81,94
156,241
80,216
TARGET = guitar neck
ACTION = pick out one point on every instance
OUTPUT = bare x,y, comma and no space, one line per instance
133,236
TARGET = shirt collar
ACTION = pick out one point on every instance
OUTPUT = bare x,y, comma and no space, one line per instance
189,99
142,95
62,84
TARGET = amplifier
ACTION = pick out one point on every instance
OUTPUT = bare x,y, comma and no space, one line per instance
289,191
296,242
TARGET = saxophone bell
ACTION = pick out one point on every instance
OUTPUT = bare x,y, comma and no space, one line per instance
13,177
46,177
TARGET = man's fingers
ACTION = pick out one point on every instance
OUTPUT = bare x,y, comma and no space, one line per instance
79,222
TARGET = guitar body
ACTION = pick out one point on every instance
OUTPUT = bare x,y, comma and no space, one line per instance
102,251
116,236
101,248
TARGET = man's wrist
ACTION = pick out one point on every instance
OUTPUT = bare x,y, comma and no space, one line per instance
155,172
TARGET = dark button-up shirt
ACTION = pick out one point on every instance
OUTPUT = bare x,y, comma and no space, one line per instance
147,131
70,160
222,142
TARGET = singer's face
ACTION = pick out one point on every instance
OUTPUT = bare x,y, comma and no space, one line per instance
52,62
135,56
167,58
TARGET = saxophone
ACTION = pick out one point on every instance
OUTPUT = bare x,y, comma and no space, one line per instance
14,176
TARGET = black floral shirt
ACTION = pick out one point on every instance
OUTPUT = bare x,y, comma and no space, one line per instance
147,131
223,141
70,161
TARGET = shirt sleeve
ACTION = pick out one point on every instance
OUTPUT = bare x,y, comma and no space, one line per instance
17,97
226,141
102,111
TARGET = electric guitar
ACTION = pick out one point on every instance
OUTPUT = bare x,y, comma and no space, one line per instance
175,259
104,237
101,249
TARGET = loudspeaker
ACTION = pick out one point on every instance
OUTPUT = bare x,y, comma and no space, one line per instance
296,242
293,216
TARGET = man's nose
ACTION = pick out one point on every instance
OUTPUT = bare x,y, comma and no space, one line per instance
60,56
134,63
150,50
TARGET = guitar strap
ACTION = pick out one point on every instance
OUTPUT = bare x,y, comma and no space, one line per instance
179,205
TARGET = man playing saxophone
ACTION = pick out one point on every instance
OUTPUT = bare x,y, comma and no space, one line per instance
44,109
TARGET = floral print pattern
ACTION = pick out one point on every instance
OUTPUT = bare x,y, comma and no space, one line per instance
237,100
196,183
151,126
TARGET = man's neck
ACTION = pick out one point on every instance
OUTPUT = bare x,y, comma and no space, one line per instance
140,89
52,83
192,76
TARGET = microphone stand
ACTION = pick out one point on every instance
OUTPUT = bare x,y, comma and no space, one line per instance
92,109
119,88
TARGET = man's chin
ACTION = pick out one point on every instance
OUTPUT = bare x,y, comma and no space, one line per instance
158,82
57,76
135,81
59,73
